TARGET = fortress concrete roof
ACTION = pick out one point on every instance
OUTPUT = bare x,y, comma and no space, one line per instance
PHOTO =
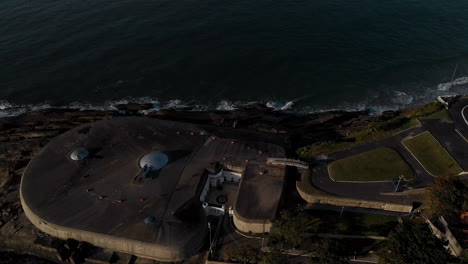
98,200
260,192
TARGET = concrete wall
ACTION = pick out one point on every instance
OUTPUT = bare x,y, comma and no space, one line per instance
232,176
138,248
204,192
347,202
251,226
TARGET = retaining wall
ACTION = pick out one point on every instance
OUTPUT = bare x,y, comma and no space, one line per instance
347,202
139,248
246,225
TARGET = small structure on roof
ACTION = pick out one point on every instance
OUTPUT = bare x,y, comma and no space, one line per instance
149,220
154,160
79,154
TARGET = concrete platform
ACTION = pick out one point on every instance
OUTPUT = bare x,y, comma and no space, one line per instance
94,200
259,197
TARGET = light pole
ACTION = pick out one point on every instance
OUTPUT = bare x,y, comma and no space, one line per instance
399,180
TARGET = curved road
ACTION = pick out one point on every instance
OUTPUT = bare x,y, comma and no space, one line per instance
443,131
373,190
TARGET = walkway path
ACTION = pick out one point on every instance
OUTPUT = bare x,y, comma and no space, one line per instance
344,236
289,162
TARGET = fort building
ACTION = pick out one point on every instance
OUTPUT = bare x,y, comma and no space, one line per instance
145,186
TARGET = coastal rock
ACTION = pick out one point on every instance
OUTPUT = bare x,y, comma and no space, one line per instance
4,174
133,107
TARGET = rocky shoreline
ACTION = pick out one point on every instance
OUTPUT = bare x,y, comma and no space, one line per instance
21,137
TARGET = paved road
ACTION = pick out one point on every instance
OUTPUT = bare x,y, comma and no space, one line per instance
445,133
373,191
459,112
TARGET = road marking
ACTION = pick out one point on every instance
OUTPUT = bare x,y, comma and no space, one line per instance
463,115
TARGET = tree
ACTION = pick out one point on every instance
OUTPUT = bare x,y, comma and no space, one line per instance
243,253
414,243
289,228
446,195
464,257
275,257
327,251
373,127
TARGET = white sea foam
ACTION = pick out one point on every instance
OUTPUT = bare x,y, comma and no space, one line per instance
375,103
448,85
281,106
402,98
226,105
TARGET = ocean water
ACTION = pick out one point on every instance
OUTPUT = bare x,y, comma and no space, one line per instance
300,55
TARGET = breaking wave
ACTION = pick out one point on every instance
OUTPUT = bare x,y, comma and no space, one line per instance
448,85
379,102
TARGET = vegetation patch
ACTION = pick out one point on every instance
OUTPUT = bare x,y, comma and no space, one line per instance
424,110
350,223
414,243
432,155
442,115
382,164
375,130
446,196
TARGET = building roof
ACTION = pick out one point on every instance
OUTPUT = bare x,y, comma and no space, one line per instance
260,192
95,200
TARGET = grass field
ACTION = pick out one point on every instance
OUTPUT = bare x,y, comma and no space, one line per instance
350,223
382,164
432,155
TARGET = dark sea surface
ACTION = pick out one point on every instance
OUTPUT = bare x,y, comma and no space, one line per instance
302,56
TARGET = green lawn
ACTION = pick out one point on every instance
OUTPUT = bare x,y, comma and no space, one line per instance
382,164
350,223
432,155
